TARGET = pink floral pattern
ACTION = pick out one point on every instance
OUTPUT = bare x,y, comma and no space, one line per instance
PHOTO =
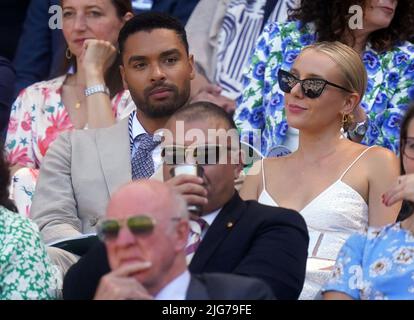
38,116
60,122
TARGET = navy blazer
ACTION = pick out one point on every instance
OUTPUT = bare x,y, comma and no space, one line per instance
215,286
222,286
12,15
40,53
181,9
246,238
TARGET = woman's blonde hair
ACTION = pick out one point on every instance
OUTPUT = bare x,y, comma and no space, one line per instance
353,71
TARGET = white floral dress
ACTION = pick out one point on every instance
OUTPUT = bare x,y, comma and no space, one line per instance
26,272
37,117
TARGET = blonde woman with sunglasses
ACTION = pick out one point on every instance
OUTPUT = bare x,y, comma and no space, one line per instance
335,184
380,32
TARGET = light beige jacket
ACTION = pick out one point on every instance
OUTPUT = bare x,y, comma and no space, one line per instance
80,172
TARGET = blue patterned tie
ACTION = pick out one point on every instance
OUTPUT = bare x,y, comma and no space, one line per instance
142,163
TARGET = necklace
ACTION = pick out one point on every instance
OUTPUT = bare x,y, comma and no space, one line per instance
78,101
74,84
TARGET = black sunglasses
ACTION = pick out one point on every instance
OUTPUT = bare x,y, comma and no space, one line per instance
311,87
138,225
202,155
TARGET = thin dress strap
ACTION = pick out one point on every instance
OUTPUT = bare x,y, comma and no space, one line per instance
353,162
263,176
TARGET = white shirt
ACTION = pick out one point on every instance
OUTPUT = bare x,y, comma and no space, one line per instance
142,4
176,289
138,129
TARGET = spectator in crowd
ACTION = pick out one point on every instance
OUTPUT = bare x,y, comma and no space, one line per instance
335,184
407,205
148,259
47,108
228,235
222,34
84,167
7,77
379,35
379,264
41,48
12,15
26,271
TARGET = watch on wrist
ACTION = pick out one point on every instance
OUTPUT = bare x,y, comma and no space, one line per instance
96,89
360,129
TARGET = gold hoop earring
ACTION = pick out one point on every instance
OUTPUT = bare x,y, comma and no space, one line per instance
68,54
344,120
347,119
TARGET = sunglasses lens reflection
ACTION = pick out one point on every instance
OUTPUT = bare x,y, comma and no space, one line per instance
207,154
173,155
202,155
311,88
138,225
110,229
286,82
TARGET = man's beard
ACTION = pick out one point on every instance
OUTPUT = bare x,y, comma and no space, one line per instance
162,109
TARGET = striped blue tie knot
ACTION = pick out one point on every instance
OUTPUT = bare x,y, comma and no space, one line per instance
142,163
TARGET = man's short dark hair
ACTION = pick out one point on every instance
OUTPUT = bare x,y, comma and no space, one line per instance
202,110
149,21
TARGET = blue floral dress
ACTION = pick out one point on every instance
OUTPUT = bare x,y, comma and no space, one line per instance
376,265
261,107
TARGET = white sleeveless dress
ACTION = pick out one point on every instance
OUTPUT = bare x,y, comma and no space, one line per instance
331,217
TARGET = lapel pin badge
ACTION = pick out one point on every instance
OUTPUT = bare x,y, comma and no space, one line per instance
229,224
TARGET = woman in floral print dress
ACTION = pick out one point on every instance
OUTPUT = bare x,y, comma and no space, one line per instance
26,271
47,108
382,44
379,264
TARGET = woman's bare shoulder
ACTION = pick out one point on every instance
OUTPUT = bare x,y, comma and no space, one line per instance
379,154
376,159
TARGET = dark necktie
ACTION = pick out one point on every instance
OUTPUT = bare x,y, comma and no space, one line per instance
196,229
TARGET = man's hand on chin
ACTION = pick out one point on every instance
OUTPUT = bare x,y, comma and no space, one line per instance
121,285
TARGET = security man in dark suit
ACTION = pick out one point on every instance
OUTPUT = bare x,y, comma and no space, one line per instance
238,237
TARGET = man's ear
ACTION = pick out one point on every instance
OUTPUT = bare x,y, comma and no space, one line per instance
192,66
238,167
182,232
122,71
128,16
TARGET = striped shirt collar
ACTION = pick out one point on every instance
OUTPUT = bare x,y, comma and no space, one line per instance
135,129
